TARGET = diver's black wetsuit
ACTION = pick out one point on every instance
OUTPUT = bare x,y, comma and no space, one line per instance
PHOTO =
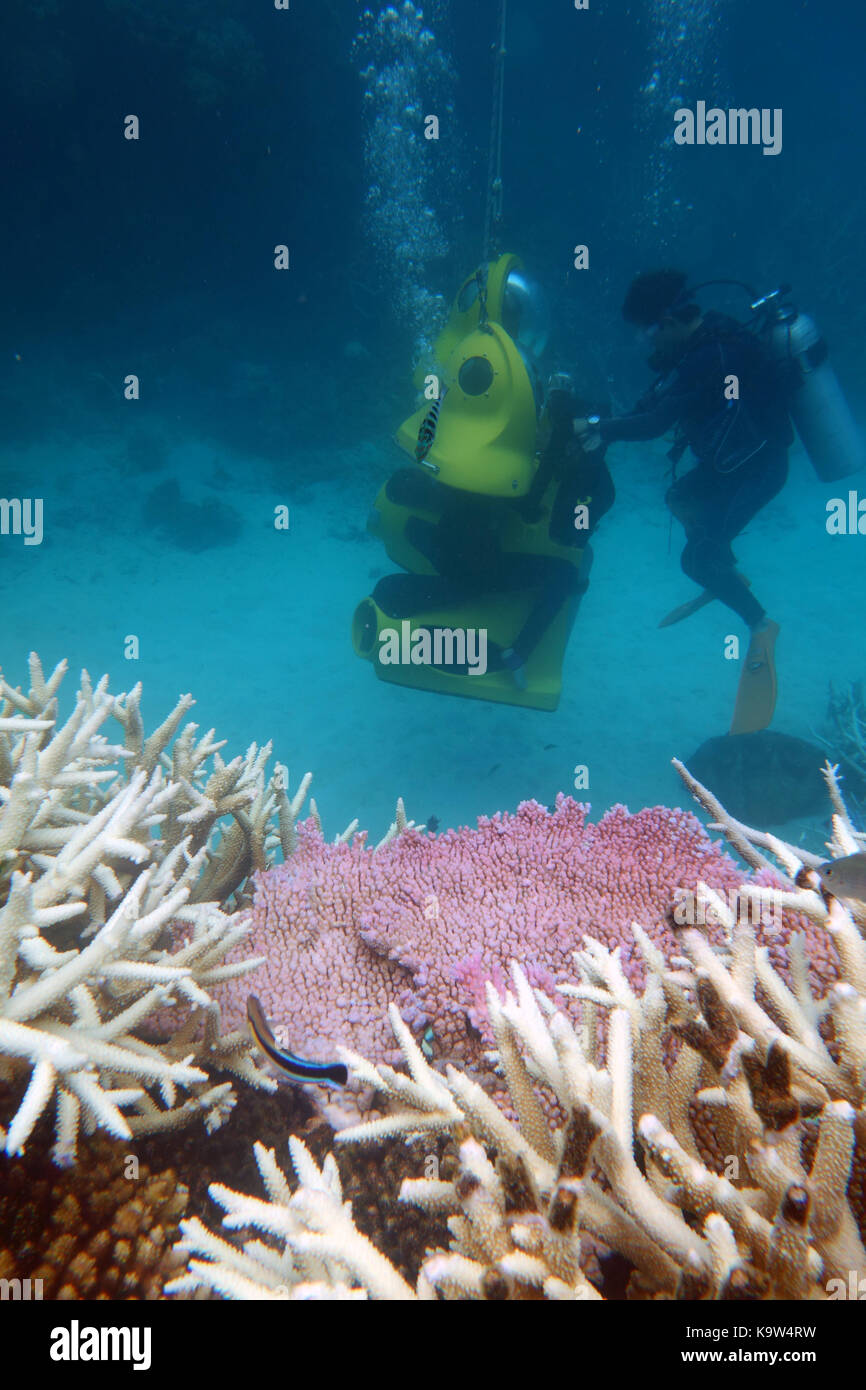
464,545
741,449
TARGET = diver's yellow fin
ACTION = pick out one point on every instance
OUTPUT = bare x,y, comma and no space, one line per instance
756,693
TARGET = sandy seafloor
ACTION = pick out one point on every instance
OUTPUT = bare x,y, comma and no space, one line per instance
259,632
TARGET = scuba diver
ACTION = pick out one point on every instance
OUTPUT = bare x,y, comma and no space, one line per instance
493,521
720,386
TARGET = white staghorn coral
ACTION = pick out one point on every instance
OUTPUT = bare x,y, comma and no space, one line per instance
318,1250
734,1169
105,849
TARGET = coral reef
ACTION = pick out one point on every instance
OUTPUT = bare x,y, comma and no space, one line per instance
768,778
846,724
115,870
371,1174
91,1232
764,1200
690,1104
319,1251
425,920
221,59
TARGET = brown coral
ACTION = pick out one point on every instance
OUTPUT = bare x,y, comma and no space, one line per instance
90,1231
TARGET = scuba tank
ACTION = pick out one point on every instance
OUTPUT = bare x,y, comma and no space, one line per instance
827,429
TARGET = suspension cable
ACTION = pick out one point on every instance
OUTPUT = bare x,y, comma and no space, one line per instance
493,209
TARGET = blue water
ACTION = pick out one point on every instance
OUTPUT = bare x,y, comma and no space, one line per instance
262,388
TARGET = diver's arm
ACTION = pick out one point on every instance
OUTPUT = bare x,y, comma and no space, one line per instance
666,407
646,424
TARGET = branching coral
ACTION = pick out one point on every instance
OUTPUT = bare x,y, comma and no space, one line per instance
846,723
732,1170
106,849
316,1250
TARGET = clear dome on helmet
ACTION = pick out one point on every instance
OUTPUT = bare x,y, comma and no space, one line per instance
525,313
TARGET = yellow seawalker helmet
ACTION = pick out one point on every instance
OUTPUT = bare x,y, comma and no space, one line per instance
485,437
466,310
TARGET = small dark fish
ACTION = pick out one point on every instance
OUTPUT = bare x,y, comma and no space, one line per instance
427,432
432,825
295,1067
845,878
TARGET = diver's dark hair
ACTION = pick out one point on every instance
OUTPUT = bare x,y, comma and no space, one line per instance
658,294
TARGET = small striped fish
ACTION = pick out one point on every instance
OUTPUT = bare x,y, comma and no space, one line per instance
296,1067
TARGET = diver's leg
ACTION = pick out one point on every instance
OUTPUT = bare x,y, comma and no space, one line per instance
707,557
560,580
754,491
715,508
402,595
708,560
757,691
740,501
